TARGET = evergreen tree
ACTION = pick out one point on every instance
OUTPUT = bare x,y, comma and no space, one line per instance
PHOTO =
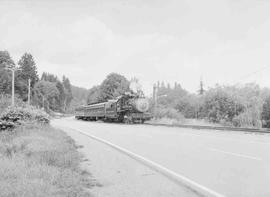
28,70
68,92
5,76
201,90
5,60
49,77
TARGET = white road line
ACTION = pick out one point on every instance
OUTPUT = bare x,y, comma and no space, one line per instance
180,179
235,154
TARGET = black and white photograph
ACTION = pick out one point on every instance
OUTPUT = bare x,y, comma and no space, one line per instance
134,98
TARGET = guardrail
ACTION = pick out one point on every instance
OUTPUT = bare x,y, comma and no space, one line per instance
212,127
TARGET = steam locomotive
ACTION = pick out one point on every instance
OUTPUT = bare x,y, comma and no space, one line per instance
127,108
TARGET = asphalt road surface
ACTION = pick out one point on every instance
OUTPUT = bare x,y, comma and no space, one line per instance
228,162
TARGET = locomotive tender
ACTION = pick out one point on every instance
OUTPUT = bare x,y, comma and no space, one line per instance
127,108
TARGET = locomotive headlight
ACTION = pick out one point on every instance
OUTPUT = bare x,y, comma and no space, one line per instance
142,104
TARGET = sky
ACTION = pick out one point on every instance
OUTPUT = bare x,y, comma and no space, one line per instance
218,41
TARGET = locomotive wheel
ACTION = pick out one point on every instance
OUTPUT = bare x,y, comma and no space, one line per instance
127,121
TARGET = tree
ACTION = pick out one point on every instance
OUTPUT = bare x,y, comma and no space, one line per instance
5,76
61,97
28,70
68,93
221,106
201,90
266,113
93,95
79,97
49,77
114,85
46,94
5,59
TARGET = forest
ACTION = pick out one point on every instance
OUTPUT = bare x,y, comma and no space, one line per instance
47,92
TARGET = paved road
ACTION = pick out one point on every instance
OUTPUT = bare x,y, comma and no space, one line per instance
230,163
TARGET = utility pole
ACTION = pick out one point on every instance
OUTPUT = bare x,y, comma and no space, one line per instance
29,90
155,97
12,69
13,87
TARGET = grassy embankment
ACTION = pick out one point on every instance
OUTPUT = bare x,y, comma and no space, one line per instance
38,160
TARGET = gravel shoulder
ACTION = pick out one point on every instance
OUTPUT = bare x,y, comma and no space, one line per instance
119,175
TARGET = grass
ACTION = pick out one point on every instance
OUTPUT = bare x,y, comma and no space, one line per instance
171,121
37,161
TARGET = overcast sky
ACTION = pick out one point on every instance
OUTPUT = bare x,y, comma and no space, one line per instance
222,41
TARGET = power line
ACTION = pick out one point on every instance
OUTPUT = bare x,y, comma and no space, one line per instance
254,72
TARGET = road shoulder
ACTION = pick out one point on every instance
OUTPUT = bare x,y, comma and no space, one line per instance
120,175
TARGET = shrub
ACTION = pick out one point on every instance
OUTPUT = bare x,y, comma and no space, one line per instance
24,114
5,101
170,113
249,118
221,106
6,125
266,113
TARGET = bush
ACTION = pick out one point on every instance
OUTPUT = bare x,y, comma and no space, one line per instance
5,101
249,118
6,125
266,113
169,113
24,114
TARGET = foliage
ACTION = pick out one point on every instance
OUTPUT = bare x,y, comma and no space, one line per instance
201,90
56,95
24,114
93,95
79,97
235,105
248,118
67,91
5,102
170,113
114,85
220,105
189,105
46,94
78,92
28,70
5,59
266,112
5,76
49,77
179,99
168,96
52,94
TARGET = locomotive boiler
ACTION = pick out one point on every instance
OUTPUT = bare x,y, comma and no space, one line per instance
127,108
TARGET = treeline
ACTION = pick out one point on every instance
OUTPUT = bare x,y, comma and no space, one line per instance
245,105
47,92
113,86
